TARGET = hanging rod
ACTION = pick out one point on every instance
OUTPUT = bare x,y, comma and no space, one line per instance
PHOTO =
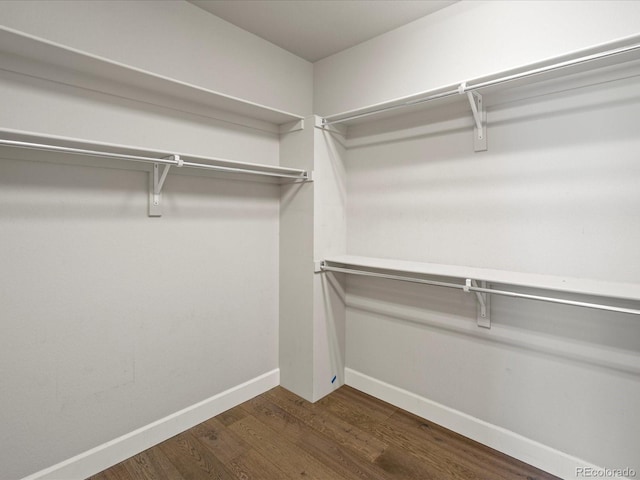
468,287
410,103
479,83
278,172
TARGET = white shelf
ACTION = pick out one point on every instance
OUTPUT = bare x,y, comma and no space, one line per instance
113,156
72,146
627,291
576,64
29,55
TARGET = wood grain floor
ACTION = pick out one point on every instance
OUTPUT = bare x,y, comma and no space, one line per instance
347,435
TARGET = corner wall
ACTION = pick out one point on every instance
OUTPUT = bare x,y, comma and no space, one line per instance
555,193
466,40
113,321
173,38
313,225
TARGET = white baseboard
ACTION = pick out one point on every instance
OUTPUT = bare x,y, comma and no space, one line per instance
524,449
103,456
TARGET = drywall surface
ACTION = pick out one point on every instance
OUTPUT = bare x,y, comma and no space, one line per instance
110,319
296,267
464,41
556,193
330,238
175,39
312,226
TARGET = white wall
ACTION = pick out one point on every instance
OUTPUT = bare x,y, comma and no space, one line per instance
330,224
86,359
111,319
172,38
312,226
555,189
466,40
296,267
556,193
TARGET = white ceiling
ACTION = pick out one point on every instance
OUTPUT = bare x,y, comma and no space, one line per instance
314,29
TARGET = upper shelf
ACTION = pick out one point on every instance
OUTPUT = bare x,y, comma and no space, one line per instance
70,146
596,58
627,291
161,161
31,55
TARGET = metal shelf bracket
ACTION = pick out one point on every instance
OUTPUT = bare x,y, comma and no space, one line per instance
156,182
483,312
479,118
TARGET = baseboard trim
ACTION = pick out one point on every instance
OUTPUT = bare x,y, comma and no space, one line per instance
524,449
103,456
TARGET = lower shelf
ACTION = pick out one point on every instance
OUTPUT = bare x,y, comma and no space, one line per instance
473,278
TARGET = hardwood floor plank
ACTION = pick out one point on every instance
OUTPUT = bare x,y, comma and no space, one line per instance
338,430
450,465
460,461
344,461
347,463
374,407
99,476
221,441
292,459
396,464
354,407
346,436
354,412
465,449
231,416
473,454
254,466
152,464
193,460
279,420
117,472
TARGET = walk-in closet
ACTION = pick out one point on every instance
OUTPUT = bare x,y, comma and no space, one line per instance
319,239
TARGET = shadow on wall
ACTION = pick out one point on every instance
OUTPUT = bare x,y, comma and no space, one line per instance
556,190
98,188
606,340
561,99
333,298
143,119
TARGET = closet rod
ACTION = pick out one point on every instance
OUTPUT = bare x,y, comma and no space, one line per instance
284,172
554,67
410,103
477,84
562,301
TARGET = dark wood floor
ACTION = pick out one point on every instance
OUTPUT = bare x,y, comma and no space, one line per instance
347,435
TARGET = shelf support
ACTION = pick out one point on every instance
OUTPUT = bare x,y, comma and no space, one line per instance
483,311
156,182
322,124
479,117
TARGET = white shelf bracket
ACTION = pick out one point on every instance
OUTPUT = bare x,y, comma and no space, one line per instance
156,182
479,118
483,311
322,124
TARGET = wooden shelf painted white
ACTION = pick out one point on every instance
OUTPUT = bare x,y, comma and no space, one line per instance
581,72
48,144
30,55
627,291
